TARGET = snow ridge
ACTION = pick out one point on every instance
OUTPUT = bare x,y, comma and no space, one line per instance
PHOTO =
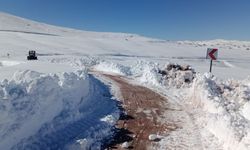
37,110
223,105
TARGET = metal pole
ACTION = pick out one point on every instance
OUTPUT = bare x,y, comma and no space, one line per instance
211,63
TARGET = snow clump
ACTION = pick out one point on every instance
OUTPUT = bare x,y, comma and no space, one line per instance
126,145
115,68
154,137
146,73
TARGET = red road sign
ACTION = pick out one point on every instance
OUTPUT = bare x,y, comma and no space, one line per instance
212,53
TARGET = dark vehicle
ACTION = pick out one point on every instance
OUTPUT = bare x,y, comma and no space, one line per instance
32,55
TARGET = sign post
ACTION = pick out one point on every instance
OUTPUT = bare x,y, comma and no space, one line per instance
211,64
212,54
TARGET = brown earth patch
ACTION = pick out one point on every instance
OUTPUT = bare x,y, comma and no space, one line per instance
144,110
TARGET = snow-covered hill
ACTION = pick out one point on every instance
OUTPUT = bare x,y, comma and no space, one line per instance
18,35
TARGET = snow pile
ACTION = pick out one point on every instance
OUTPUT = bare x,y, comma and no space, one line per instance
115,68
147,73
151,74
175,75
31,99
172,75
239,94
224,107
79,62
144,72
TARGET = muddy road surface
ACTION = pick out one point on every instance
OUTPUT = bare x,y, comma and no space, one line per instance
143,111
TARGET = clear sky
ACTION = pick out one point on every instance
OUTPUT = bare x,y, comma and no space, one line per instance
165,19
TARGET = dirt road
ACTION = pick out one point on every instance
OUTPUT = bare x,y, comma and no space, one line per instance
143,111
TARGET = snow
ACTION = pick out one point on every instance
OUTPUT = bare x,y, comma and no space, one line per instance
220,107
109,67
246,111
9,63
111,119
57,97
82,142
153,137
58,42
221,104
39,92
149,74
36,100
125,145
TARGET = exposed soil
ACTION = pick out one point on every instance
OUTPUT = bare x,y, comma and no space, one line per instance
143,112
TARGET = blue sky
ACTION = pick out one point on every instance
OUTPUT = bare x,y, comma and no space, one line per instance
165,19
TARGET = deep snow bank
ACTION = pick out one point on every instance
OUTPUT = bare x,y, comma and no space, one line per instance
224,109
144,72
115,68
150,73
78,62
55,111
32,99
